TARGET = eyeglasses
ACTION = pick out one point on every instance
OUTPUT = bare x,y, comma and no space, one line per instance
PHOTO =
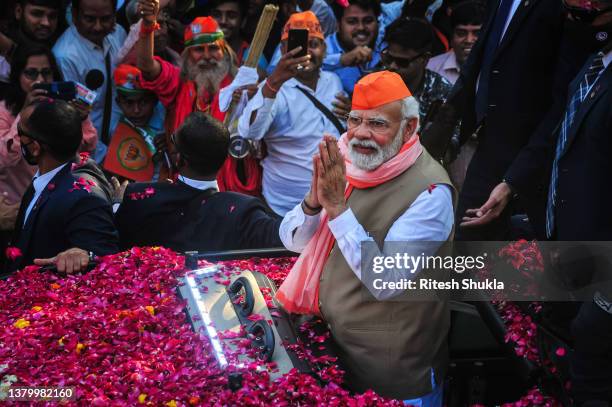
32,73
375,125
388,59
22,133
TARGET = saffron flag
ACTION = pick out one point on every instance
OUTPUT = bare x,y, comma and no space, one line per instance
129,155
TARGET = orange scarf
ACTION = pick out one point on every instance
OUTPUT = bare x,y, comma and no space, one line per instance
299,293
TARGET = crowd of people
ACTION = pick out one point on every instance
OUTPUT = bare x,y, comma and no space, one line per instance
406,120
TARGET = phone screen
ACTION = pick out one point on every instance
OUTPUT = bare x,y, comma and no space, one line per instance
59,90
298,38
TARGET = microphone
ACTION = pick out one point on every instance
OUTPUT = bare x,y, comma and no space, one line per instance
94,79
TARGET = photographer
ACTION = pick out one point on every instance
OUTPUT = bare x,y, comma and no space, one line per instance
30,66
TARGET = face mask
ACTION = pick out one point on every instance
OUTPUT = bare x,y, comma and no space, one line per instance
27,155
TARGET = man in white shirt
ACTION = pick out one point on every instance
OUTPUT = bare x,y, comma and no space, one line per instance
283,115
396,192
92,43
466,21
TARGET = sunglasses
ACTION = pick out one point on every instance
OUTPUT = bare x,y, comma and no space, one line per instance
388,59
22,133
584,15
33,73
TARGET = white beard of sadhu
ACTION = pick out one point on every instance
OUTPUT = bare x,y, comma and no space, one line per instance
207,74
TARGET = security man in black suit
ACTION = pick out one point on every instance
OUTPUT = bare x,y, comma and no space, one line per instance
578,204
502,95
64,219
191,214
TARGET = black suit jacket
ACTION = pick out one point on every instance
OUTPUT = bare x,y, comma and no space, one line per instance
65,217
183,218
520,87
584,195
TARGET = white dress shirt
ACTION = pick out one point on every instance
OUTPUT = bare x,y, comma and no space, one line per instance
199,184
40,182
76,56
513,8
430,218
292,128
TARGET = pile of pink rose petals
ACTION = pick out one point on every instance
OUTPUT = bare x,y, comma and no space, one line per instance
119,335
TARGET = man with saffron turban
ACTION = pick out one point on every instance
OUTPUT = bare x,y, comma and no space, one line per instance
377,184
209,65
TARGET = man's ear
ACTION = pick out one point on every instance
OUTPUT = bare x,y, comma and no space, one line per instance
36,149
18,11
411,128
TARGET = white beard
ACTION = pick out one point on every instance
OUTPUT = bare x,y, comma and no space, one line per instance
206,77
369,162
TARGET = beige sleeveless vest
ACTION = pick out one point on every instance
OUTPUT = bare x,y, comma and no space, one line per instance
390,347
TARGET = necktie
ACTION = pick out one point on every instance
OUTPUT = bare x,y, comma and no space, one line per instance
492,41
108,100
576,100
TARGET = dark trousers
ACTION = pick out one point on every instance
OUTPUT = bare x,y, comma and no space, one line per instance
591,362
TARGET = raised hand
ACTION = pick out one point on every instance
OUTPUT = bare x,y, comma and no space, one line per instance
312,200
148,9
331,180
287,67
361,54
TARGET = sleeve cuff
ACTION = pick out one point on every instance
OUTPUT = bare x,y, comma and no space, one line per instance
343,224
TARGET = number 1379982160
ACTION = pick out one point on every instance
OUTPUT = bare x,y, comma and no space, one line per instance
26,393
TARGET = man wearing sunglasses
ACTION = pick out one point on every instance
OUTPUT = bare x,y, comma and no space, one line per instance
410,41
64,218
